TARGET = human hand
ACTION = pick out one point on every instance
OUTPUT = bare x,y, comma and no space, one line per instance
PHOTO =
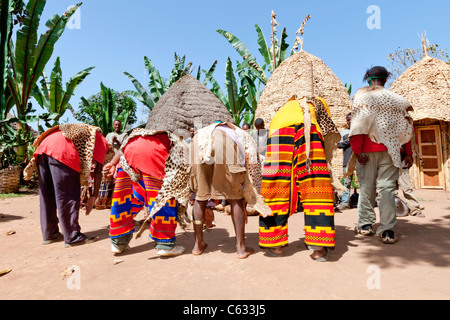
108,170
362,159
408,161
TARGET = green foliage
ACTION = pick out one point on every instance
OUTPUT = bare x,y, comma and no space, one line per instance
27,60
241,92
273,54
11,13
104,108
244,87
156,84
52,97
29,56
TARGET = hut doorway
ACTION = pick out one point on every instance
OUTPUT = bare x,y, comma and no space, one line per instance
430,150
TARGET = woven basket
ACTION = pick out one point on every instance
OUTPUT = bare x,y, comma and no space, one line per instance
10,180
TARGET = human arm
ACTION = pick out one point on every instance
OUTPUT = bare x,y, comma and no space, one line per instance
356,142
343,144
110,168
408,157
97,181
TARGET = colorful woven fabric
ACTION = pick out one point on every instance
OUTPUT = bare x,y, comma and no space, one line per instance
286,181
128,200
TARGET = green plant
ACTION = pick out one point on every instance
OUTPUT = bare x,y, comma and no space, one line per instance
242,94
158,85
102,109
272,54
244,88
52,97
28,57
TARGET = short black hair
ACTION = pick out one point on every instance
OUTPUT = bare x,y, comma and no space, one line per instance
259,122
377,72
246,124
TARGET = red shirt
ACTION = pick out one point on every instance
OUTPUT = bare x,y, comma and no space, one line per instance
361,143
148,154
63,149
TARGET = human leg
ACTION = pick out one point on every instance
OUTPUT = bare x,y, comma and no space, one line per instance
238,217
412,202
345,199
276,190
162,230
316,194
387,187
123,209
66,183
367,185
47,208
199,216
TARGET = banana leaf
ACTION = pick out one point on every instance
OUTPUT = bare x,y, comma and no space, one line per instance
52,96
5,35
29,56
141,94
244,52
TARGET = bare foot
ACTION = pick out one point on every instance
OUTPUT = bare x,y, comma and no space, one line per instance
199,250
243,254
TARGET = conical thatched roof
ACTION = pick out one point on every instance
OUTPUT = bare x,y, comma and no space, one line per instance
187,102
426,85
299,75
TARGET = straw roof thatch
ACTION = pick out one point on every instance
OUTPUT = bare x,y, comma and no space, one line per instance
303,74
187,102
426,85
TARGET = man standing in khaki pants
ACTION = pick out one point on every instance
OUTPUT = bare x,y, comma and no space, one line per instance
380,127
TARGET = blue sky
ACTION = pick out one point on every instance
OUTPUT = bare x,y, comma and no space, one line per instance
115,35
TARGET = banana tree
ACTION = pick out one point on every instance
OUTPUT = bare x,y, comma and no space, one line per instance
51,96
102,112
29,56
11,12
156,84
272,54
242,94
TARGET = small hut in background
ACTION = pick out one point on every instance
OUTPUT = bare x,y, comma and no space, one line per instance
304,74
186,103
426,85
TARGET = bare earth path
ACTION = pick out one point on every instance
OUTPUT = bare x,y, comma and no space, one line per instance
417,267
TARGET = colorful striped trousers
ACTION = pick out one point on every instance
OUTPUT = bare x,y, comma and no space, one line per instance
128,200
286,182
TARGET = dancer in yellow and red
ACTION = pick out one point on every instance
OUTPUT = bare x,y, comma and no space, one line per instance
295,170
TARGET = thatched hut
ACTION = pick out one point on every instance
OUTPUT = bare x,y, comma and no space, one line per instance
426,84
304,74
187,102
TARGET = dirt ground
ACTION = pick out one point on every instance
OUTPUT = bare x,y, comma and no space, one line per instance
417,267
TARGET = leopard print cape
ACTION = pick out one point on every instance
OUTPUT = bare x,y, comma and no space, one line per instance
330,133
383,116
83,137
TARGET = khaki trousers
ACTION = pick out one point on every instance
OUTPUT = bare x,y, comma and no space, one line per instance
222,179
378,175
410,198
